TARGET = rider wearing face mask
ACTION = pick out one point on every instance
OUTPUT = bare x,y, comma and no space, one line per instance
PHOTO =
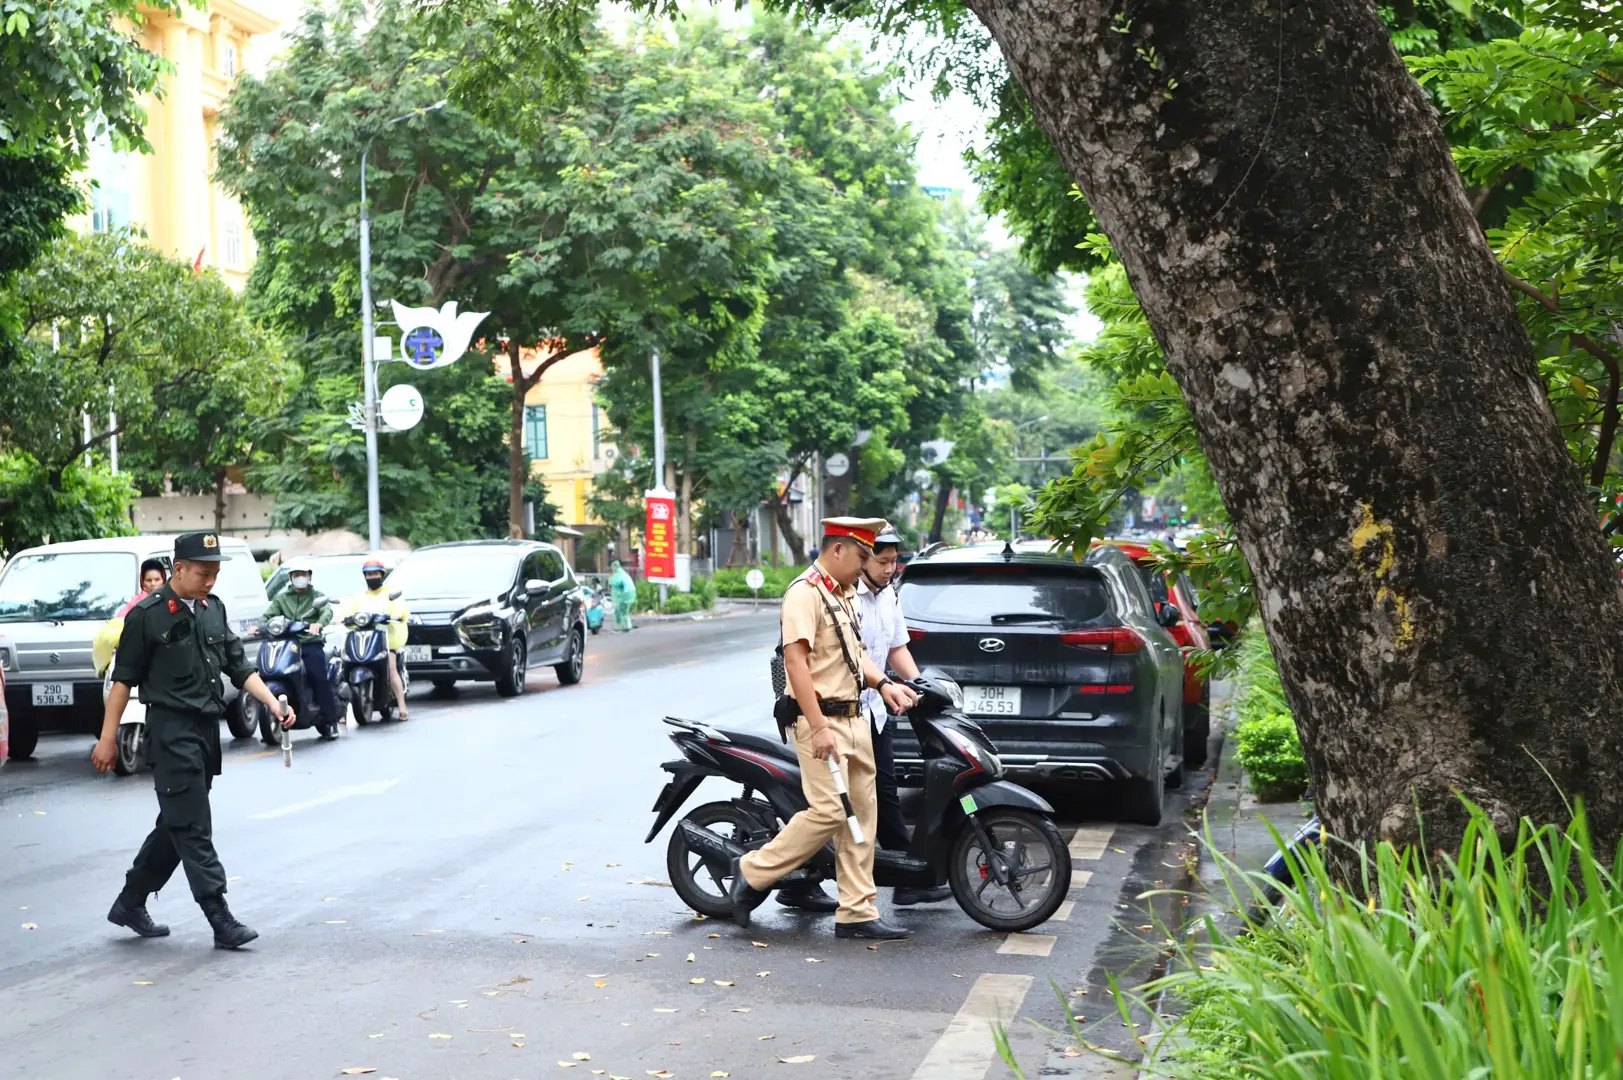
300,602
373,600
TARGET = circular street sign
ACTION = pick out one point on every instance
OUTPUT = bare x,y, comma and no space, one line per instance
837,465
401,407
754,579
922,478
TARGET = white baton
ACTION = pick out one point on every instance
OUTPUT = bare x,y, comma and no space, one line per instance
287,736
845,800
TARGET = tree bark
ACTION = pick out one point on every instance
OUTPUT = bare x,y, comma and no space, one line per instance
942,496
220,476
837,490
1444,612
518,465
684,505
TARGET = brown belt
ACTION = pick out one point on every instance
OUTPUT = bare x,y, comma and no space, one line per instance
839,708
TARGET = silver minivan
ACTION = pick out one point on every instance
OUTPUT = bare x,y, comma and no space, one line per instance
53,600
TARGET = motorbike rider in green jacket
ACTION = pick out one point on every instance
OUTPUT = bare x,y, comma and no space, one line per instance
300,602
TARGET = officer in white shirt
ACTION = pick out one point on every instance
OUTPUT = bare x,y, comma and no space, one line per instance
884,637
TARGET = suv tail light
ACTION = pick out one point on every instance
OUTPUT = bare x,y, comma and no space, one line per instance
1114,639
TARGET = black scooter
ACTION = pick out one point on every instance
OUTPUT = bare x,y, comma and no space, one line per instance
281,666
992,841
364,675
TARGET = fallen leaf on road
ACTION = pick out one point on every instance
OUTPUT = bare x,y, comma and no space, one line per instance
357,1070
515,980
379,1035
583,899
515,1035
30,926
958,976
518,1046
600,984
328,899
1072,1051
717,1073
719,982
611,865
581,1055
1118,851
760,945
762,974
743,1009
458,1001
690,958
799,1059
439,1035
41,813
567,1064
567,865
813,960
337,922
658,933
764,1038
659,1072
712,936
695,982
144,982
649,955
665,1010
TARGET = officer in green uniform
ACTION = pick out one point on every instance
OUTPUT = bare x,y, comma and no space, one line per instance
176,645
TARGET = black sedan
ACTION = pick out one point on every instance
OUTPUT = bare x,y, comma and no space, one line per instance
489,611
1066,665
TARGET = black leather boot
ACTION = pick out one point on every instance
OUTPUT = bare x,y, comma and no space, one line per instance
807,896
743,898
228,932
131,911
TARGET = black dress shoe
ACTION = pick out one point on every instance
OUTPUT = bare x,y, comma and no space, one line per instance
807,896
907,897
743,898
873,930
135,917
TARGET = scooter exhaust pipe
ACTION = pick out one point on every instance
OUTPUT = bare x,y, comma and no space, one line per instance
714,849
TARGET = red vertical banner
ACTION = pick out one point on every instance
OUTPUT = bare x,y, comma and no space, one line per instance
659,562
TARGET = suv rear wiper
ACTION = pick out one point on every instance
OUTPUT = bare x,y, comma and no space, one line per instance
1024,617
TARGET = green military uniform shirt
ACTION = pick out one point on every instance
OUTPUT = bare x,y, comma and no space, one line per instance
176,654
301,605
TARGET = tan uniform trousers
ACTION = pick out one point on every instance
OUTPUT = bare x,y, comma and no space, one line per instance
824,818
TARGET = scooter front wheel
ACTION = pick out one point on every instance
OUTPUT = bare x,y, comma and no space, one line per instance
361,704
131,749
1022,881
701,886
270,732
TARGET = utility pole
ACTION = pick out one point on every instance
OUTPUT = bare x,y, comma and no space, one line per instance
659,449
369,367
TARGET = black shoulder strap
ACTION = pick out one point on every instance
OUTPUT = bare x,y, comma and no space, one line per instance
845,650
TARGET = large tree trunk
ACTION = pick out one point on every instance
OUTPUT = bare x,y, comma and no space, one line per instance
220,477
942,496
837,490
518,464
1445,614
684,504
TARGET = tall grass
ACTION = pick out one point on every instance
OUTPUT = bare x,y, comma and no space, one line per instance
1476,966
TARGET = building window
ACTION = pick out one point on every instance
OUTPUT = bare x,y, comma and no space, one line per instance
535,432
110,187
231,240
597,441
228,63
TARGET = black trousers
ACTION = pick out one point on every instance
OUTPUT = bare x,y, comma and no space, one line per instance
892,826
185,752
315,669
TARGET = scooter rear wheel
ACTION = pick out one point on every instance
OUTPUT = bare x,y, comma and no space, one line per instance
131,749
700,887
1041,862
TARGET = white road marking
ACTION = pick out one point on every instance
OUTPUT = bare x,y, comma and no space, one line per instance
1090,841
1080,878
1027,945
1063,912
376,787
966,1048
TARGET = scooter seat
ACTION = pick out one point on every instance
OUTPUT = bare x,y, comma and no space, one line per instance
775,747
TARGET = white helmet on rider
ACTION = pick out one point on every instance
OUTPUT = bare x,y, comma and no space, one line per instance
299,574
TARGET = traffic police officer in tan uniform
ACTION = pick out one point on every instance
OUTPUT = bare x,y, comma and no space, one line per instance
827,669
175,646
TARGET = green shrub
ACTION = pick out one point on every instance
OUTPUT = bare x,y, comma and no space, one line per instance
705,590
1271,754
1468,967
682,603
730,580
647,596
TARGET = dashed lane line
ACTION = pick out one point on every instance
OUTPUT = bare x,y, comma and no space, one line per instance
1027,945
965,1049
1089,841
1080,878
376,787
1063,912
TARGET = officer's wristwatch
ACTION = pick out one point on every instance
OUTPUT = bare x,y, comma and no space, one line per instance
884,681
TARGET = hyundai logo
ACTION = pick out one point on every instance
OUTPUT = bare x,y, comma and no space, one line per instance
991,644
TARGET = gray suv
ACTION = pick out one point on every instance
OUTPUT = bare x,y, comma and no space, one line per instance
1066,666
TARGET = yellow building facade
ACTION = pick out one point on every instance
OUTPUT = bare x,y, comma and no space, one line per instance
566,433
170,194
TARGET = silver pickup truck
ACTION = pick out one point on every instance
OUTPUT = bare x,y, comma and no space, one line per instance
54,599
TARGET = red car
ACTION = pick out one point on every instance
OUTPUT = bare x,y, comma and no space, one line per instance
1190,634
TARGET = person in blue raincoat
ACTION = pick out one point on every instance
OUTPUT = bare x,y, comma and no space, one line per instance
624,592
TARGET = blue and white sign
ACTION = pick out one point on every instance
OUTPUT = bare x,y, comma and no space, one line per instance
430,338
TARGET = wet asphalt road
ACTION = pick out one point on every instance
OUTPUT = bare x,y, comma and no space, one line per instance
468,895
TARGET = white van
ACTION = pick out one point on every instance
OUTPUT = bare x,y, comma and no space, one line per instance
53,599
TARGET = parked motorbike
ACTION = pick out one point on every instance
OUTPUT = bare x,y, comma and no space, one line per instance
995,843
132,728
363,678
594,610
281,667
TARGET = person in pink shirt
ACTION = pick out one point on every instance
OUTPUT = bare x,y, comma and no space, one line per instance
152,579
